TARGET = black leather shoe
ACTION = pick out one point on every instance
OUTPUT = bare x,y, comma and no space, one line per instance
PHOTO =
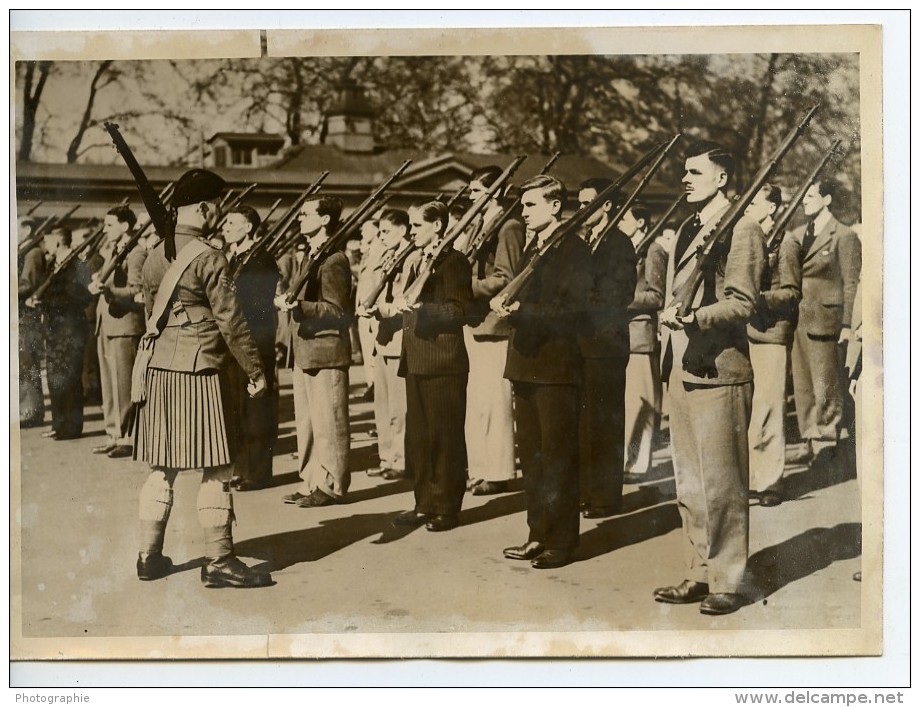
232,572
410,519
395,475
293,498
153,565
489,488
686,592
104,448
770,499
527,551
316,499
440,523
718,604
599,512
550,559
120,451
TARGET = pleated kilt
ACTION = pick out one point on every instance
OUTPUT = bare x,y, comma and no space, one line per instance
183,423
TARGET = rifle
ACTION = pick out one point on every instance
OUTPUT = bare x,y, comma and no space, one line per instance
486,235
630,200
513,289
778,232
711,248
337,239
426,265
650,237
457,194
91,240
284,223
119,257
256,247
34,208
237,200
45,227
390,267
163,220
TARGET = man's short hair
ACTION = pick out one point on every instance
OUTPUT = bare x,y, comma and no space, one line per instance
123,214
640,212
717,154
773,194
397,217
63,233
434,211
550,187
330,206
598,184
251,215
829,187
486,175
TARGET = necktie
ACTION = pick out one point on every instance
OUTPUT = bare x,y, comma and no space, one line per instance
809,240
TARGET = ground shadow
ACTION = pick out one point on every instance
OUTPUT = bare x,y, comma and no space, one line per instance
831,466
624,530
774,567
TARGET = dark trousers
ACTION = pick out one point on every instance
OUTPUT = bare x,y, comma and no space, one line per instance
31,347
546,417
66,341
601,430
435,441
256,423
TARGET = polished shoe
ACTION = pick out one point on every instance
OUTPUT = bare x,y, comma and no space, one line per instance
247,485
153,565
440,523
527,551
719,604
232,572
293,498
316,499
489,488
121,451
49,434
857,576
410,519
104,448
395,475
686,592
377,471
770,499
550,559
600,512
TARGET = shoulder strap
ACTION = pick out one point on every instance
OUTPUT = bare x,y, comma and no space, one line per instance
184,258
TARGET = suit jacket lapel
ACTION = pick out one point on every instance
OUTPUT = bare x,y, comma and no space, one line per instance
822,240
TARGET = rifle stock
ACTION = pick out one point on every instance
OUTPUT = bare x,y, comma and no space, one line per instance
391,266
683,298
46,226
276,234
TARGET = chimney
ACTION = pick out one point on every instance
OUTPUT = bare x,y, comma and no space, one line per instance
350,120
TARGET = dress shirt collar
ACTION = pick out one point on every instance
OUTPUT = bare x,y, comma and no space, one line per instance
822,219
716,204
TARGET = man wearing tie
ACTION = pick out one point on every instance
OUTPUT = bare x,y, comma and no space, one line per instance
831,259
711,388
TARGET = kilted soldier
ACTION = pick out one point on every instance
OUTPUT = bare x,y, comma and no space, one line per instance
195,319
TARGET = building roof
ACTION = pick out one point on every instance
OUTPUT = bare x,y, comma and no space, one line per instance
250,139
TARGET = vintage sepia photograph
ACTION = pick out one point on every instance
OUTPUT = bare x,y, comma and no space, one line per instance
447,343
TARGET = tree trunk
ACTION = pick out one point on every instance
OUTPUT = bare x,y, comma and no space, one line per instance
30,102
73,151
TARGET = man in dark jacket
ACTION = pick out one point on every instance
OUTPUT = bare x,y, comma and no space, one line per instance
321,315
545,369
32,273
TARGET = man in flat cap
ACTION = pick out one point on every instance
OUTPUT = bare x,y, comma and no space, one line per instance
194,320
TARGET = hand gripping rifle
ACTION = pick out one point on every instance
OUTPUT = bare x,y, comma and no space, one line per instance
513,289
631,199
712,247
163,219
43,228
337,240
489,231
426,265
778,232
279,230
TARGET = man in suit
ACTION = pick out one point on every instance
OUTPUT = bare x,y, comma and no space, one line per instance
711,388
32,273
643,372
119,326
770,338
831,260
489,417
545,369
321,315
604,344
256,282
